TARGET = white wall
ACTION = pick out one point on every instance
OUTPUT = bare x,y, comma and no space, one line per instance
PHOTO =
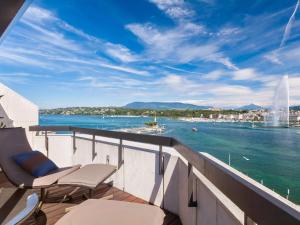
214,208
18,109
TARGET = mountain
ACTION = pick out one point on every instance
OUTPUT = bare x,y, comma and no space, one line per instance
250,107
163,105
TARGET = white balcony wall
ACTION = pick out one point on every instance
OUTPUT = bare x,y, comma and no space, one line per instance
139,175
214,208
60,148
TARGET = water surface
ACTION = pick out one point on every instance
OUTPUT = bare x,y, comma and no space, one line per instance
273,154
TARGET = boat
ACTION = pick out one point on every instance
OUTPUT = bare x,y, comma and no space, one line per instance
194,129
152,123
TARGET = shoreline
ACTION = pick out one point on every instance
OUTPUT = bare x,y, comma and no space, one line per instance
187,119
207,120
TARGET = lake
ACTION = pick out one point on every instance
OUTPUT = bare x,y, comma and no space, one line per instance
271,156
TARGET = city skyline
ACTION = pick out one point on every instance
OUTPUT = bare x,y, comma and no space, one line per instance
204,52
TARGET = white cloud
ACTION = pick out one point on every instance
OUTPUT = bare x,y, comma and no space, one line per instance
209,92
177,9
234,96
177,83
41,40
11,57
231,90
45,42
38,15
245,74
182,70
214,75
289,25
112,82
124,69
194,101
179,44
273,57
286,57
120,52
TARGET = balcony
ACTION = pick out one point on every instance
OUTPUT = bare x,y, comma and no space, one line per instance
192,187
161,171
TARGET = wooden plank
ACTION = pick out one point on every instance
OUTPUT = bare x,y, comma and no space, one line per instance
52,212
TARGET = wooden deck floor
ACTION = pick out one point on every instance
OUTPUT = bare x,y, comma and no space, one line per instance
52,210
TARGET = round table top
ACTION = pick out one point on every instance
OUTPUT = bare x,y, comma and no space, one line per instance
12,202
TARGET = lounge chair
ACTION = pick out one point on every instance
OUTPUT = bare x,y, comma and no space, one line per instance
14,141
110,212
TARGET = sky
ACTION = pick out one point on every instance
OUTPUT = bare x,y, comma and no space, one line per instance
221,53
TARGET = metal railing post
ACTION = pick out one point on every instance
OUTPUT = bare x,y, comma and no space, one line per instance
74,142
47,144
191,201
94,153
160,161
120,154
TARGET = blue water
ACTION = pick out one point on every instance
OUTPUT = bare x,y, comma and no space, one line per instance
274,154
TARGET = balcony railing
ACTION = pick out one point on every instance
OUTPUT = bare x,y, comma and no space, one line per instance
258,204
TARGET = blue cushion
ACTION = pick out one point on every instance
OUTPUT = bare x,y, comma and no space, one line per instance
35,163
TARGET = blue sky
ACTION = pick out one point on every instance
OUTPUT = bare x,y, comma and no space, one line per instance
206,52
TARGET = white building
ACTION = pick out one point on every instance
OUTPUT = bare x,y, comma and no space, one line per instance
15,110
294,118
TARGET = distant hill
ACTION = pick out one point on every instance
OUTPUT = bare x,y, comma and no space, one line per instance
163,105
250,107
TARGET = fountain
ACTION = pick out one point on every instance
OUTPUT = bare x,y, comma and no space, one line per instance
278,115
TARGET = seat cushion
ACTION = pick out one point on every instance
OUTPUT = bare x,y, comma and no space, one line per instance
53,177
35,163
110,212
90,175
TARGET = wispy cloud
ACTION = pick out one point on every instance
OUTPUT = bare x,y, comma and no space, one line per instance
181,70
177,9
179,44
273,57
215,94
120,52
289,25
182,59
41,28
215,75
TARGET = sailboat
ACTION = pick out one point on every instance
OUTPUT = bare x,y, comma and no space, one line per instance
152,123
